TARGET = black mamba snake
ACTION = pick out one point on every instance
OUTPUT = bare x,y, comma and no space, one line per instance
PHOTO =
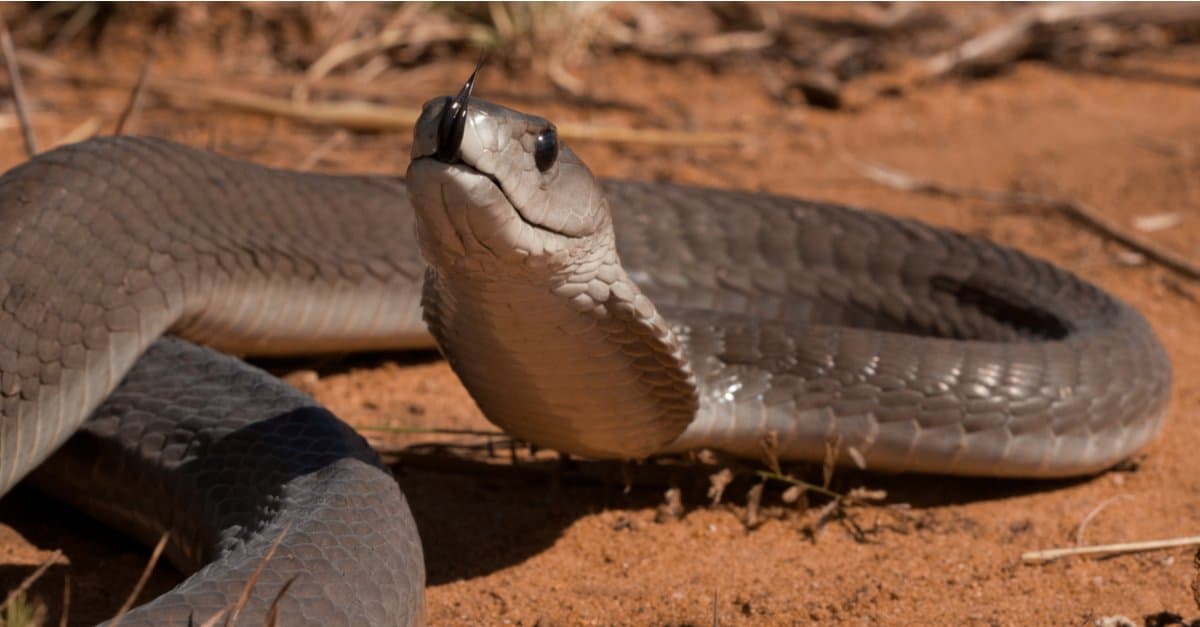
727,316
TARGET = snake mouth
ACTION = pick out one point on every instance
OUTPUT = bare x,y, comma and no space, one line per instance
466,168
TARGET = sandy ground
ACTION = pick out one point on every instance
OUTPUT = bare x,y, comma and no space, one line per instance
540,544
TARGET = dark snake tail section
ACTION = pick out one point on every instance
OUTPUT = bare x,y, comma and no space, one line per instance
225,457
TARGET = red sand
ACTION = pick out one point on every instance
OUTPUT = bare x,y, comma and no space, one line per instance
561,548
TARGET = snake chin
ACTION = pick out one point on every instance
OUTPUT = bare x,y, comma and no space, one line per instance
466,222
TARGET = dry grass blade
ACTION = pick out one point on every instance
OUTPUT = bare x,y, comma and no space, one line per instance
18,90
829,463
31,579
1092,514
215,618
79,20
66,602
23,613
141,582
135,98
244,598
86,130
1047,555
769,444
273,613
323,150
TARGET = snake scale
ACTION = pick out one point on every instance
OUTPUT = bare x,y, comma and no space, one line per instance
605,319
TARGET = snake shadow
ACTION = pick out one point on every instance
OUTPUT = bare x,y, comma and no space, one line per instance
97,570
479,517
475,517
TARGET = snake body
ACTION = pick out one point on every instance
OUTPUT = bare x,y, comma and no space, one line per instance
609,319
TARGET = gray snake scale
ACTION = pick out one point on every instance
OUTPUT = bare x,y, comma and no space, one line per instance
727,316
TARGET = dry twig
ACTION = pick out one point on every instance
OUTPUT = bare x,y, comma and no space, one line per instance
367,116
1047,555
402,32
1020,36
1078,211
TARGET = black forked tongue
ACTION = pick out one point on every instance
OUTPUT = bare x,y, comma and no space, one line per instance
454,121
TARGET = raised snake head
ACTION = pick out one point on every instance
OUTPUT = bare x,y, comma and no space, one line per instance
488,180
525,292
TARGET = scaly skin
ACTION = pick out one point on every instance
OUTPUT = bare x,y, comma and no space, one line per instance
720,318
106,245
906,347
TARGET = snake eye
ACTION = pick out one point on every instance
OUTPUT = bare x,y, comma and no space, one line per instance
545,149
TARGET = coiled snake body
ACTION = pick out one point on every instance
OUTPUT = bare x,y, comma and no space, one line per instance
726,317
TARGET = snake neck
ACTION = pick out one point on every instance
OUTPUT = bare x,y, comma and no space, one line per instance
576,359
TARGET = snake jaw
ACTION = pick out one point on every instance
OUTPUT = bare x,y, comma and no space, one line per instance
492,200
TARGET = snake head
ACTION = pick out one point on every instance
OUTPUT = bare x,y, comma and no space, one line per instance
488,181
525,292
